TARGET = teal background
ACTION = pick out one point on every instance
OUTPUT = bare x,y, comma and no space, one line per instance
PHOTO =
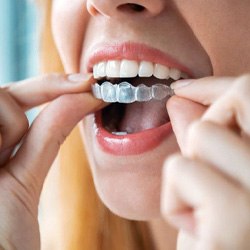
19,39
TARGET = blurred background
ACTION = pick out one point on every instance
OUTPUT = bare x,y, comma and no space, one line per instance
19,40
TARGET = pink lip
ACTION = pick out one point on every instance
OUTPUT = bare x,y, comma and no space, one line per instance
133,51
131,144
138,143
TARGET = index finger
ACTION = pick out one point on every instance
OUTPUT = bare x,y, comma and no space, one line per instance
39,90
204,90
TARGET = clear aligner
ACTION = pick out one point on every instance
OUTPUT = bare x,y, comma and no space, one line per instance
124,92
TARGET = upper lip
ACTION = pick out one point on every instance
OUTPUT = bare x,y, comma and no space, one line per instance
133,51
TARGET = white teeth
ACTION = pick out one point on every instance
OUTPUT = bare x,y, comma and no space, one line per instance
95,71
129,68
161,72
120,133
146,69
101,69
175,74
113,68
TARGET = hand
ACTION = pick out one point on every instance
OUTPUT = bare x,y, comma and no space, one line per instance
206,189
22,176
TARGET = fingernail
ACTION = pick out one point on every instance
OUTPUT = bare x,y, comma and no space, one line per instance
181,84
79,77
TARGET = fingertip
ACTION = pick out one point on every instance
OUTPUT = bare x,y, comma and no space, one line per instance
172,102
197,131
180,84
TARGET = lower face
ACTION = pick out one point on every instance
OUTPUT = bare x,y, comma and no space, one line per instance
127,144
127,168
127,173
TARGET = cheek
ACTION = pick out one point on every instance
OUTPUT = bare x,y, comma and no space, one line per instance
221,26
69,21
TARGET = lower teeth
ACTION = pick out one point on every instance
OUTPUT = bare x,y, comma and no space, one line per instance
120,133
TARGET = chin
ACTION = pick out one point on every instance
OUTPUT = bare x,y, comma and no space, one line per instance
128,184
130,196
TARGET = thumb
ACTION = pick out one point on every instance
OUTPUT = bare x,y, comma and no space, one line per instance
41,145
182,113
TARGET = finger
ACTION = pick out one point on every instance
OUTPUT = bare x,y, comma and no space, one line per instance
204,90
13,122
49,130
233,108
36,91
182,113
189,185
219,147
194,198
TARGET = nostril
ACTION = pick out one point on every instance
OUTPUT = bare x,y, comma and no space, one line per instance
131,7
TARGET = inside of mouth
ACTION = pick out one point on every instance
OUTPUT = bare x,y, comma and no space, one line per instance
135,81
132,118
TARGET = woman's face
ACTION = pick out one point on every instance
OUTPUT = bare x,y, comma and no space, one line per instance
197,37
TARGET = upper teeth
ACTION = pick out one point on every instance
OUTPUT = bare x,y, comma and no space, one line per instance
128,68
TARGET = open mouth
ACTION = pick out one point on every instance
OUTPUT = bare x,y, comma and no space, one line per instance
128,118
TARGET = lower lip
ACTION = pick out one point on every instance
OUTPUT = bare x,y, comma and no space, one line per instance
131,144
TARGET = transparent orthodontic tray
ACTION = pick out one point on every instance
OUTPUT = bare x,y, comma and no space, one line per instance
124,92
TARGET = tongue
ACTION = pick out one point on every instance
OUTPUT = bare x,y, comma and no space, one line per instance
140,116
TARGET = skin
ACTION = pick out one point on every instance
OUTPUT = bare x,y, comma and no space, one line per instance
22,177
142,200
210,119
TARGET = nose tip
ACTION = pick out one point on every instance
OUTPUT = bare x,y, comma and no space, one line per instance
114,8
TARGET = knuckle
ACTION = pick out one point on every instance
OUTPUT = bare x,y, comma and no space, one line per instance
195,136
172,171
23,122
166,210
48,83
45,78
169,205
48,94
22,125
14,121
61,138
15,135
172,165
50,79
241,87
